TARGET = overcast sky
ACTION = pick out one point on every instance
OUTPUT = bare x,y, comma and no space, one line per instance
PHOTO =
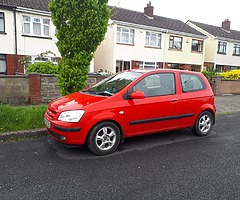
211,12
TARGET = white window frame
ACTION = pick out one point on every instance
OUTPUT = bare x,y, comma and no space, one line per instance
39,27
2,20
3,64
153,39
148,65
125,35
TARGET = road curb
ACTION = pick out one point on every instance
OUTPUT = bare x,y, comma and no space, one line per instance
22,134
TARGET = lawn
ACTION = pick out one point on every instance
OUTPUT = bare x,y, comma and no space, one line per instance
16,118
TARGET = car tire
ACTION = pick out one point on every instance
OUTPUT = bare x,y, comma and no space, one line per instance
203,124
104,138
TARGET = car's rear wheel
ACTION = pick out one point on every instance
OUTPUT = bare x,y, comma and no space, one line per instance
203,124
104,138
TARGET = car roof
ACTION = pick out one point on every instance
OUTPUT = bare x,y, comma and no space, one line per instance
145,71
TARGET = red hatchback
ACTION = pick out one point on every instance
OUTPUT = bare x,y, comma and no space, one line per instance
132,103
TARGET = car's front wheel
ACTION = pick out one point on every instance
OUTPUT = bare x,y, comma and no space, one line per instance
204,124
104,138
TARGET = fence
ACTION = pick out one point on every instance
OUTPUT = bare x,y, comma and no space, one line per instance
39,88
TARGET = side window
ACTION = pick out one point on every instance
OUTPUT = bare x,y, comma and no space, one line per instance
191,82
157,85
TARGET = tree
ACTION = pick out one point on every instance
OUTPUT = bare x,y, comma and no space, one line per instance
81,25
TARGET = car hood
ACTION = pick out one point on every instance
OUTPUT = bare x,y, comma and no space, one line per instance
74,101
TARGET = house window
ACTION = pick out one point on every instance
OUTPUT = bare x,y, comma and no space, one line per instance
36,26
153,39
3,64
197,45
148,65
222,46
26,24
175,42
125,35
2,22
236,49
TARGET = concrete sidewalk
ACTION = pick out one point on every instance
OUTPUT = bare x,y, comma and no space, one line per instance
225,104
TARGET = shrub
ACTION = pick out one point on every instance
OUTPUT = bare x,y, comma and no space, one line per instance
209,74
231,75
43,68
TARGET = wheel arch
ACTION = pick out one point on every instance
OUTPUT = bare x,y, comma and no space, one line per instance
212,113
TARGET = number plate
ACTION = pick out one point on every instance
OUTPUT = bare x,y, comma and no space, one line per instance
47,123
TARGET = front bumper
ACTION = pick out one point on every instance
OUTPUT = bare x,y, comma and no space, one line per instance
68,134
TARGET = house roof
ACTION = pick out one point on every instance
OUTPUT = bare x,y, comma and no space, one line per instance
118,14
218,31
134,17
41,5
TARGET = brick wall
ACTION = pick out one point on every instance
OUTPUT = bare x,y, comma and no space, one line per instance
33,88
49,88
225,86
37,88
14,89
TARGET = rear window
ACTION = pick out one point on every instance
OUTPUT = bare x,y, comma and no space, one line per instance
191,82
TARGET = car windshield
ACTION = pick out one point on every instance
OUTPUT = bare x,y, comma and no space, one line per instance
113,84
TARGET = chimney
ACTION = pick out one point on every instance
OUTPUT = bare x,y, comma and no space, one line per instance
148,11
226,24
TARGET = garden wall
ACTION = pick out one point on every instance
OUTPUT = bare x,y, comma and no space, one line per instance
33,88
221,87
40,88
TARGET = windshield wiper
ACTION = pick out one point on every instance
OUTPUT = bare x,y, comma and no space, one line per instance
104,93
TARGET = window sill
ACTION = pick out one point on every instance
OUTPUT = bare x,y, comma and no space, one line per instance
125,44
35,36
200,52
172,49
235,54
221,53
3,33
152,47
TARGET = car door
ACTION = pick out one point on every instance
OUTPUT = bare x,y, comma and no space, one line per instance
194,96
159,110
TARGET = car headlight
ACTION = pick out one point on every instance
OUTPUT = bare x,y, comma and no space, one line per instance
71,115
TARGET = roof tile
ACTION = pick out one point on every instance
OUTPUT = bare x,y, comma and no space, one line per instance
134,17
218,31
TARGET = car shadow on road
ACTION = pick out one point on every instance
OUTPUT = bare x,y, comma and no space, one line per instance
138,143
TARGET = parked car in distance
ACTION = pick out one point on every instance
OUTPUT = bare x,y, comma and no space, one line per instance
132,103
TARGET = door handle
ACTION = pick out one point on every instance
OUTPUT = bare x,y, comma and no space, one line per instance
174,100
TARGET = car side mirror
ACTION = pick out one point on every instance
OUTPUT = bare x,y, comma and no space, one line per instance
137,95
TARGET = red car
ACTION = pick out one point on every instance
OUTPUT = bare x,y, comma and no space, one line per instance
132,103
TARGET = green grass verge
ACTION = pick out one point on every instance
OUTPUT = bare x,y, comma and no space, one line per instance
16,118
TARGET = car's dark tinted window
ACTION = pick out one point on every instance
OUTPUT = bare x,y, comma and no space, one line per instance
157,84
191,82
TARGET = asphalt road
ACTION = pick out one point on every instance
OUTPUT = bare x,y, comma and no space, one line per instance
173,165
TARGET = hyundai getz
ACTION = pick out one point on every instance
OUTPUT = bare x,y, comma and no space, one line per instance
132,103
